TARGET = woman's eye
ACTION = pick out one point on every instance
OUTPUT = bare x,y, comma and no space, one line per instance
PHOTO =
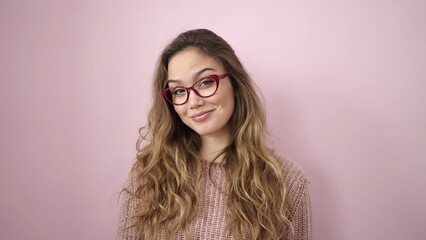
206,82
178,91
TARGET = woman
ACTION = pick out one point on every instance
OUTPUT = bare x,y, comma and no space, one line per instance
203,170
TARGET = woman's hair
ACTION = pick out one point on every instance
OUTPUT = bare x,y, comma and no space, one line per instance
168,167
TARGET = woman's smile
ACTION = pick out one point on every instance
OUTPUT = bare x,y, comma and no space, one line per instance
199,117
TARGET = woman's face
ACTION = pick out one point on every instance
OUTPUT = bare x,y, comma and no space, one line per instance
206,116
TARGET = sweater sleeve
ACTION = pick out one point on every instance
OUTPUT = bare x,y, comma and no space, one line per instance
302,217
299,200
127,206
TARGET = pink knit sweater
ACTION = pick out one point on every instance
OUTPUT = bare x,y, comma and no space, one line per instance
210,222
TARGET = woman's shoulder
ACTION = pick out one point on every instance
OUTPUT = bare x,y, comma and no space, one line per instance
133,180
290,168
294,176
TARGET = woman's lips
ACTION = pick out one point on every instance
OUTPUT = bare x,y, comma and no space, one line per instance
201,116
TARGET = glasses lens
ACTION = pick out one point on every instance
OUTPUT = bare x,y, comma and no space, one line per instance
206,87
177,95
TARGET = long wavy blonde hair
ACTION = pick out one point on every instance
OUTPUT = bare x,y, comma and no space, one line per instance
168,157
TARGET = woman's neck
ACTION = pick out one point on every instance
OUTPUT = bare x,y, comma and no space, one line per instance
212,146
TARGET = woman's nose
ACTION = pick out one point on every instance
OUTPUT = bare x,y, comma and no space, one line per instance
194,100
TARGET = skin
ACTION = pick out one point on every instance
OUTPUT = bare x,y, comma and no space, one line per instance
208,117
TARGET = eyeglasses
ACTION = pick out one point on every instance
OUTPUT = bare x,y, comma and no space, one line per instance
205,87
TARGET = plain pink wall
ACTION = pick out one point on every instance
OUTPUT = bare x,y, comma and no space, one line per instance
344,84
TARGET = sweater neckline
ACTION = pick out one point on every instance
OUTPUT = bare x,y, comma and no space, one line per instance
213,164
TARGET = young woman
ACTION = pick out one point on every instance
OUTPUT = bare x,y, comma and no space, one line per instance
203,170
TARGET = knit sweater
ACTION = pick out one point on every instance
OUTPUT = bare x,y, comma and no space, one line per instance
210,221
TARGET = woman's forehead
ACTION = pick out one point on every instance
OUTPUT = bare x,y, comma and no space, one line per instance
190,64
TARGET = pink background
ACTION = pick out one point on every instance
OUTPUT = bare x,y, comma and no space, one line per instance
344,84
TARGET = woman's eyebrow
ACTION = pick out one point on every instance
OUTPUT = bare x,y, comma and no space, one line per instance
203,70
172,81
195,75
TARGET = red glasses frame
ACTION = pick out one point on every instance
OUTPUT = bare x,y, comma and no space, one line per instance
215,77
